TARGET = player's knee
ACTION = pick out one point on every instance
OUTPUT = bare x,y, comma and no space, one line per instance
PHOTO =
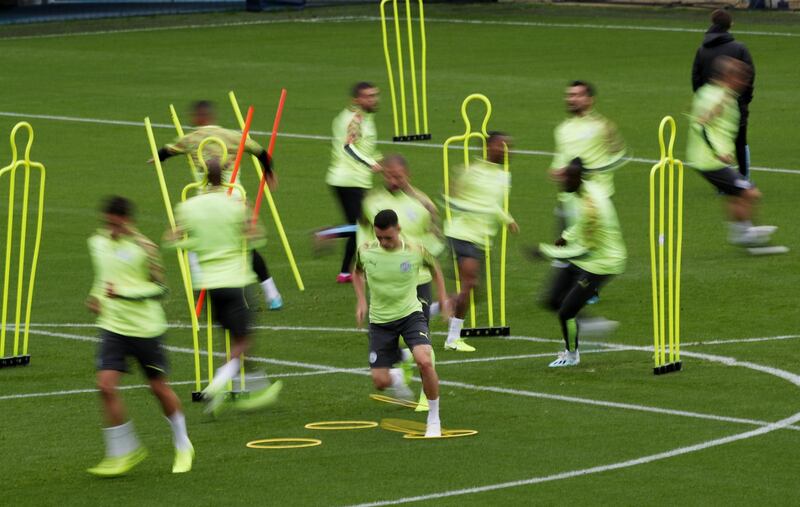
565,314
106,387
425,364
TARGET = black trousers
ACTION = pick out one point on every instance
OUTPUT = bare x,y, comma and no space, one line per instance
742,151
350,198
571,288
260,267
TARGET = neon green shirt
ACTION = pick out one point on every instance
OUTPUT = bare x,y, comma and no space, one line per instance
127,264
713,127
476,203
189,143
596,141
416,222
392,277
594,242
215,231
353,150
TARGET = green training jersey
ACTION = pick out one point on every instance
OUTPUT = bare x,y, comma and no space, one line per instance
477,203
392,277
594,241
189,143
132,266
417,223
713,127
354,149
596,141
215,226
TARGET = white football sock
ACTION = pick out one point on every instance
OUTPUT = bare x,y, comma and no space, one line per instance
270,290
406,355
179,435
454,332
398,379
225,373
120,440
435,309
433,411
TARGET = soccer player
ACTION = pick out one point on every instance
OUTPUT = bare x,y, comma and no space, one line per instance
718,42
476,205
711,148
204,120
354,157
594,252
217,229
416,213
391,267
128,283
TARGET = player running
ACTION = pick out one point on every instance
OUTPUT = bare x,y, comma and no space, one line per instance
204,120
391,267
593,251
476,205
128,283
218,230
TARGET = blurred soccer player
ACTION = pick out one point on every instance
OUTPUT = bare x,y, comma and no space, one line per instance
476,205
128,283
216,229
711,148
391,267
718,42
354,157
594,251
204,121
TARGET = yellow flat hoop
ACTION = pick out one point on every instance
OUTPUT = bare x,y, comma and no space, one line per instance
284,443
394,401
445,434
341,425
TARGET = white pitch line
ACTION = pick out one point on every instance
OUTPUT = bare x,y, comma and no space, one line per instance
500,390
356,19
128,123
491,359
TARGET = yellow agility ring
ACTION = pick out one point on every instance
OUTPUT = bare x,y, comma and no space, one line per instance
445,434
341,425
403,426
394,401
284,443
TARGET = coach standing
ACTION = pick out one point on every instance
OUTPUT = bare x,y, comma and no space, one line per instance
718,42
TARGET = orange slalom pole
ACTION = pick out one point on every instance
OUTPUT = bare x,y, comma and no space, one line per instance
245,132
270,149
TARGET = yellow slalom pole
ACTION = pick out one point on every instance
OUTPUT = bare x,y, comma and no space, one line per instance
504,244
389,70
272,207
678,254
210,342
400,71
187,280
413,65
424,54
9,238
653,263
489,299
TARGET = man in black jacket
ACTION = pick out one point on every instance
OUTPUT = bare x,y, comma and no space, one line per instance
718,42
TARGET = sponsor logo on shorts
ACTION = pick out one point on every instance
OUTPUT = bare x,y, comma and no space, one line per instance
373,356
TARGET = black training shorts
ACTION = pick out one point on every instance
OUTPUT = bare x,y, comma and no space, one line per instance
230,310
384,343
466,249
114,350
727,181
424,296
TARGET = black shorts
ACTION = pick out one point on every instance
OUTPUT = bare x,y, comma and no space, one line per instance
230,310
114,349
727,181
384,343
424,296
464,249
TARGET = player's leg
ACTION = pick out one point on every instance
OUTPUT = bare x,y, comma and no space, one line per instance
384,353
123,450
350,198
230,310
585,286
742,149
469,259
271,294
414,330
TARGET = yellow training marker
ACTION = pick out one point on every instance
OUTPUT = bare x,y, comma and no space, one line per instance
284,443
445,434
403,426
394,401
341,425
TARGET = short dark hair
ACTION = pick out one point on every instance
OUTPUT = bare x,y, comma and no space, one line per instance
360,87
586,84
385,219
576,163
118,206
495,134
395,158
214,172
205,106
722,19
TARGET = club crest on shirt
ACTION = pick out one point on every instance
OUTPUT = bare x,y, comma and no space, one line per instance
405,267
124,255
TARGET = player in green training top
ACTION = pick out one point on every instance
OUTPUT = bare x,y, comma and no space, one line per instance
204,121
594,252
218,230
711,148
128,282
354,157
391,267
476,207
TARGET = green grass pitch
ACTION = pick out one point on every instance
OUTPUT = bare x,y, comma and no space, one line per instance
551,428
